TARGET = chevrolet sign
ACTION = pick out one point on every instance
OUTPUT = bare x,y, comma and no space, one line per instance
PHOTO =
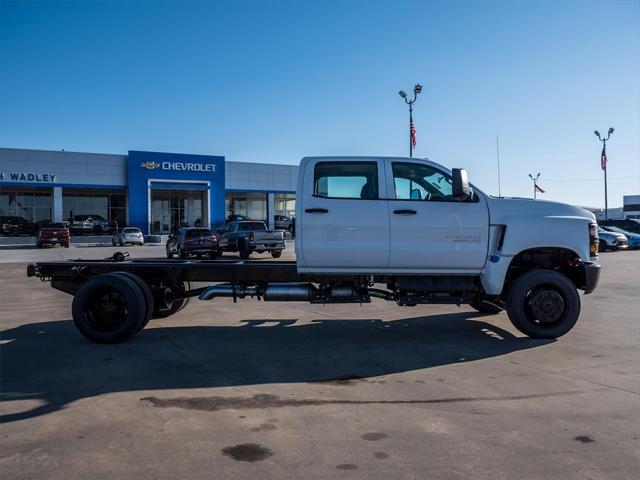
180,166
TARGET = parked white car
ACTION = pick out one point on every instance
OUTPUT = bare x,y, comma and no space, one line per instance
132,235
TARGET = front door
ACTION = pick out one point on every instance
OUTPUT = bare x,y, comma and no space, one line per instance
430,229
343,216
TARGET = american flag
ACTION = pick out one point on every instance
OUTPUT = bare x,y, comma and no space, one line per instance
538,189
412,133
603,158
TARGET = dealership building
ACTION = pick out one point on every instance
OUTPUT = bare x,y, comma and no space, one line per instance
155,191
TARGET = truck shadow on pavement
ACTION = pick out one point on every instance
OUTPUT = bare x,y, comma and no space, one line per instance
50,362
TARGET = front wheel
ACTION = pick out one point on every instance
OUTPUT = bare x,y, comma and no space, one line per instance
543,304
169,254
276,253
181,253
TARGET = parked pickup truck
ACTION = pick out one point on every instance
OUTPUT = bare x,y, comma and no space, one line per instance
403,230
246,237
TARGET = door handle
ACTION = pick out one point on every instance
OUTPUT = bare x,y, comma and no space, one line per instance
316,210
405,212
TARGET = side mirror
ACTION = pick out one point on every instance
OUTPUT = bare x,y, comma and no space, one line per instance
460,182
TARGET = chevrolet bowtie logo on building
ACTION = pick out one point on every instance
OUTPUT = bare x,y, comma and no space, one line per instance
150,165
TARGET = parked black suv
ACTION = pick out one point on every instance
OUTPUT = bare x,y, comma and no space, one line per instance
14,226
193,241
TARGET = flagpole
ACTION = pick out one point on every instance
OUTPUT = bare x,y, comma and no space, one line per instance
416,91
410,137
498,157
603,165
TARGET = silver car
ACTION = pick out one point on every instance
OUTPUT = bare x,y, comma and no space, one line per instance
126,235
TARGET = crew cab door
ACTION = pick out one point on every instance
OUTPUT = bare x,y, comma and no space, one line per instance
429,228
342,215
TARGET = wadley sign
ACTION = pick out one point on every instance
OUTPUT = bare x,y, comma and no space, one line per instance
28,177
179,166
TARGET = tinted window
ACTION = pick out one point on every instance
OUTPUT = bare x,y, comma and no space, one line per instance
417,181
346,180
199,232
131,230
251,226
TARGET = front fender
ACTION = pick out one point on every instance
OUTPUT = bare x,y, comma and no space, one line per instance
526,232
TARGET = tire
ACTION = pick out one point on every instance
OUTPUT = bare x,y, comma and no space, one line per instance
148,296
485,307
38,245
175,307
181,254
109,308
113,242
65,245
243,251
276,253
543,293
97,230
169,254
213,254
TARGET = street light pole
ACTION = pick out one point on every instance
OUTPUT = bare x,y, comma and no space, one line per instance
412,131
603,165
535,184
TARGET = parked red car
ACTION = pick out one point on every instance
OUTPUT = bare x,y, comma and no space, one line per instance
51,234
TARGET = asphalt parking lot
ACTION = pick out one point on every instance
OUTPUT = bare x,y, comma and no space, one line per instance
292,390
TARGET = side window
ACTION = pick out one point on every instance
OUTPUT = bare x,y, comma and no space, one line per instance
355,180
417,181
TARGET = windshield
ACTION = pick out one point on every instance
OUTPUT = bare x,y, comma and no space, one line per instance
251,226
131,230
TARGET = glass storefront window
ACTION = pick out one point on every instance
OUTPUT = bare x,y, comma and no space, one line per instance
172,209
285,204
248,204
109,204
29,204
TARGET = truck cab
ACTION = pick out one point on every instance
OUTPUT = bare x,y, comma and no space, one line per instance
403,216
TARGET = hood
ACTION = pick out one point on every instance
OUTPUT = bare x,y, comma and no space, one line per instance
505,207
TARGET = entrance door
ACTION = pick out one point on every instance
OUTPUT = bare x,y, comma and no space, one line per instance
430,229
343,217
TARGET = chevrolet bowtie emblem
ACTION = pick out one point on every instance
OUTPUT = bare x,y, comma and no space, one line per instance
150,165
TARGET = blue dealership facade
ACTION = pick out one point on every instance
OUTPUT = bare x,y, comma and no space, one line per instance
156,191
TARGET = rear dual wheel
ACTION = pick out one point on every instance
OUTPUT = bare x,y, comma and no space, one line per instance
112,307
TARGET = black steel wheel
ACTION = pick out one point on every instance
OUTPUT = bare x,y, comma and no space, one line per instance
543,304
174,304
483,306
109,308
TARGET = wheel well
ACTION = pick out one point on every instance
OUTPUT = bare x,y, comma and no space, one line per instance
562,260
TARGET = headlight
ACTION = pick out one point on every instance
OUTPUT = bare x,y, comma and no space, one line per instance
594,241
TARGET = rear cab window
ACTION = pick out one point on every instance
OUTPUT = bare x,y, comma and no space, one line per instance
346,179
251,226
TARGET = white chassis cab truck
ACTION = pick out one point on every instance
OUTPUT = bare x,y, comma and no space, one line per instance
405,230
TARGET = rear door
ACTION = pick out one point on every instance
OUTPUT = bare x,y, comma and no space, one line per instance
429,228
343,216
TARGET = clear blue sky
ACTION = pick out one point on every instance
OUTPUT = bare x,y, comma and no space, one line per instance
273,81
